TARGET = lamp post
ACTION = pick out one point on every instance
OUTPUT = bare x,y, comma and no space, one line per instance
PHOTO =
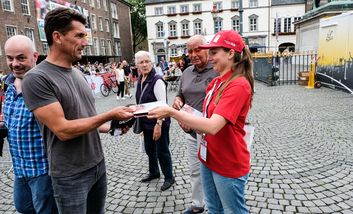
241,17
214,14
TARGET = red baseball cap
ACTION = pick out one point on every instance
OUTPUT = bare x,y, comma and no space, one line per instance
226,39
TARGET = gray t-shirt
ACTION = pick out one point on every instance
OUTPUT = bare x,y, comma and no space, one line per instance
48,83
193,84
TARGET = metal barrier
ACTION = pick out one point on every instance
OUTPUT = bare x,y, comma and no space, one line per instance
282,68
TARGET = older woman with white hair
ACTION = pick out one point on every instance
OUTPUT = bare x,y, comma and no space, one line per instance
151,88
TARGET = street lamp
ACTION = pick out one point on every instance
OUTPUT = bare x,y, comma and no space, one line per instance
241,17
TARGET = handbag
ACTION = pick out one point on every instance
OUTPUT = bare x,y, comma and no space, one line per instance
137,125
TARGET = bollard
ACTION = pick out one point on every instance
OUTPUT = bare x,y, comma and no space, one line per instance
311,81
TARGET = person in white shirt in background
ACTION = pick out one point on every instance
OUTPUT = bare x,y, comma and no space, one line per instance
121,81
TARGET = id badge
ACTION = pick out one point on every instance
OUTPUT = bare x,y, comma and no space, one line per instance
203,149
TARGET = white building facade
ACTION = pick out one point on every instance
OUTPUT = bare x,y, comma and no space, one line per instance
170,23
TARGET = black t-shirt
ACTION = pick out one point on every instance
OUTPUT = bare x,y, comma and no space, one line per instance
126,70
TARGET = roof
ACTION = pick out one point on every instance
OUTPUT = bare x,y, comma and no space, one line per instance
286,2
147,2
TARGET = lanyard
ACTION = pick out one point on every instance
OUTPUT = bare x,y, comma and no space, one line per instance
209,98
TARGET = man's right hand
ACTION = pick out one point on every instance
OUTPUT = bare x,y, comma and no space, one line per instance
178,103
122,113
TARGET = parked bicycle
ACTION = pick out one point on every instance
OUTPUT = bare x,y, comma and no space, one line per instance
109,84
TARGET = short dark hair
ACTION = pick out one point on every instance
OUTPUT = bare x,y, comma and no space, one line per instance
60,20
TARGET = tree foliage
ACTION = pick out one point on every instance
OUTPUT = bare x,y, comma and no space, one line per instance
138,22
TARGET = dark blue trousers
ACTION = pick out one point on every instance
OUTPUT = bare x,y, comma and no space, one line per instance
158,151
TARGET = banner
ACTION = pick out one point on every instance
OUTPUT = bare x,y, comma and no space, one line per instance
44,6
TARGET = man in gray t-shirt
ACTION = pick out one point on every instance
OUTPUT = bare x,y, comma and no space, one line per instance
62,102
192,91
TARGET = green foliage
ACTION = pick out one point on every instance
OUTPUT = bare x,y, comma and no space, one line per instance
138,22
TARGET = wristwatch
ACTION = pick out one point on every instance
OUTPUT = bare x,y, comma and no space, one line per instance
159,122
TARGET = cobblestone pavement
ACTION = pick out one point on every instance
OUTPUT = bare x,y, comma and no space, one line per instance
301,158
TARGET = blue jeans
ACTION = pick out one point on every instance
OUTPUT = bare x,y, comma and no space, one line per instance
82,193
34,195
222,194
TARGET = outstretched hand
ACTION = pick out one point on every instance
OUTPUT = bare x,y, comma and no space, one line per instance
123,113
159,112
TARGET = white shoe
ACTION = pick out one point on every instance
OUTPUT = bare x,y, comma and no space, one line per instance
123,98
117,98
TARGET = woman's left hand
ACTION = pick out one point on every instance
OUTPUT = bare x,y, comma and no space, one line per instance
159,112
157,131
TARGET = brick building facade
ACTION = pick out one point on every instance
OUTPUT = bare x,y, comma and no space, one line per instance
108,22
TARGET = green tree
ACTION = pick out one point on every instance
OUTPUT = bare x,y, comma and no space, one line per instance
138,22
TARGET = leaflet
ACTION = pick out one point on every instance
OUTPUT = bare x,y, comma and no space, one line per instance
191,110
143,109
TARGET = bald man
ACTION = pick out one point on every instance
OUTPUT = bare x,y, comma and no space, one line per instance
192,91
33,192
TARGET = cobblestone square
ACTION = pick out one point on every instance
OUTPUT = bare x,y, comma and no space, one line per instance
302,158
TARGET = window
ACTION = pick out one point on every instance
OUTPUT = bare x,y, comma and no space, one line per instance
7,5
172,29
295,20
252,3
116,33
236,23
114,10
91,2
11,31
185,28
173,52
218,24
235,4
87,51
29,33
98,3
158,11
84,1
197,27
100,23
253,22
25,7
287,25
277,25
105,5
96,46
109,47
103,47
107,27
45,48
117,48
93,22
197,8
172,10
184,8
160,31
217,5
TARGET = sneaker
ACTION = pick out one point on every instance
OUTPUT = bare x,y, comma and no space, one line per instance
117,98
192,210
123,98
167,184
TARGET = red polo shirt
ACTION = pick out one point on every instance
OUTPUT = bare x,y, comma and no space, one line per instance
227,152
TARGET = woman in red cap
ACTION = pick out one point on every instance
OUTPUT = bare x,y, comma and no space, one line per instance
223,152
